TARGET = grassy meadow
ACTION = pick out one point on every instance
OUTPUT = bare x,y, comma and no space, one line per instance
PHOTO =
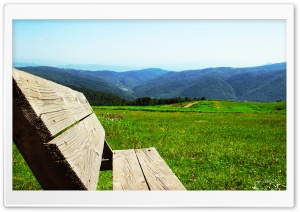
209,145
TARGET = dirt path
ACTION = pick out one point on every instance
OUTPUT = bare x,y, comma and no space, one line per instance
190,104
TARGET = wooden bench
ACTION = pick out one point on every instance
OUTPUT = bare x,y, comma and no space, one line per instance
63,142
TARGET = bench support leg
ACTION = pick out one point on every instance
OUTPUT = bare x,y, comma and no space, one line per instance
106,163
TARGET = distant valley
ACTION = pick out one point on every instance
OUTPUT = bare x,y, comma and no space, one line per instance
261,83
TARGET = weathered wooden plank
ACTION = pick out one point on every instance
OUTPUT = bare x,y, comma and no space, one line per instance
56,106
157,173
30,143
127,173
79,150
41,111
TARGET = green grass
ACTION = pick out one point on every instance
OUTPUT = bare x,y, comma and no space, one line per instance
213,151
244,149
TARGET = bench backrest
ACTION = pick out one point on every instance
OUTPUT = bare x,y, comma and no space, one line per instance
57,133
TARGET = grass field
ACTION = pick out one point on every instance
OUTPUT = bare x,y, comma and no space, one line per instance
210,145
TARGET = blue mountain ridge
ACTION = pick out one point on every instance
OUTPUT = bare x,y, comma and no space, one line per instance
259,83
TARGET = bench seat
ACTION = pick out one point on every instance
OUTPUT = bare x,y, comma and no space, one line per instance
142,169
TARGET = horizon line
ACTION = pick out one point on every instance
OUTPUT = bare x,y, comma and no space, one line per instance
133,68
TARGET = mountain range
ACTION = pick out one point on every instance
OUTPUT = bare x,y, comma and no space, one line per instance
260,83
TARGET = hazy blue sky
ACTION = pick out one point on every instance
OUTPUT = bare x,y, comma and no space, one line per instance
168,44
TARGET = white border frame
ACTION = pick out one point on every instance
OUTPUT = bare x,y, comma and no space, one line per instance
155,198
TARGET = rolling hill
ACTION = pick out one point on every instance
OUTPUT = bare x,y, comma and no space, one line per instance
262,83
127,80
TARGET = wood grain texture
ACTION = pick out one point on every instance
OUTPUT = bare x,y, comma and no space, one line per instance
55,105
127,173
41,163
80,149
157,173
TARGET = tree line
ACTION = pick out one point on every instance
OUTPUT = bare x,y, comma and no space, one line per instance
99,98
148,101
